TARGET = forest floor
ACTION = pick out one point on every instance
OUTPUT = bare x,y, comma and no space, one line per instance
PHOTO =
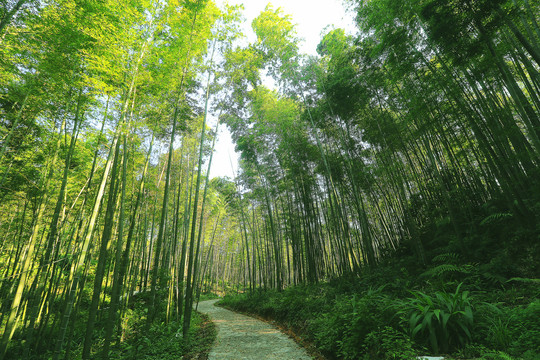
243,337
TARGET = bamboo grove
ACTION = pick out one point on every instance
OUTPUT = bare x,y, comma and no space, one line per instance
104,158
417,135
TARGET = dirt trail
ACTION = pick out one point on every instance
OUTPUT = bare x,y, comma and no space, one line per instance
241,337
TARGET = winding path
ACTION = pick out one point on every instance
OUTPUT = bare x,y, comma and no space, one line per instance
240,337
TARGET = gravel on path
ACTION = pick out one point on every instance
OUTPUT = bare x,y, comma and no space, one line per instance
240,337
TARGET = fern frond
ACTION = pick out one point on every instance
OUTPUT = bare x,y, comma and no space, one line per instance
495,218
447,258
525,280
444,269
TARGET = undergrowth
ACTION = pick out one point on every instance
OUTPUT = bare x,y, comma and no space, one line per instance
162,340
392,314
165,341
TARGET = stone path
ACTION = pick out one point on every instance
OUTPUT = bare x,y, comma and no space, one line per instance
240,337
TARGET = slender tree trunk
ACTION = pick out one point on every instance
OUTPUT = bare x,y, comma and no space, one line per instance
12,320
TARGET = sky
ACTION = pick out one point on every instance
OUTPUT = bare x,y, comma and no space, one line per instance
311,18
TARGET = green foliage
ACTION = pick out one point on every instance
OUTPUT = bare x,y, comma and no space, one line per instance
509,328
355,317
165,341
475,351
208,296
499,355
338,324
137,341
444,270
494,328
448,267
528,329
277,42
495,218
429,121
388,343
446,319
364,315
524,280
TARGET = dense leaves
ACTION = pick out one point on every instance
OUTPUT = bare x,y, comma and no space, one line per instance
415,141
90,96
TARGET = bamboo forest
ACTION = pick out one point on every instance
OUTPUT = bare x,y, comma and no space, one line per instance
386,203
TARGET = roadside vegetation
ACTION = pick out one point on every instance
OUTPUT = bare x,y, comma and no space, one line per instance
400,313
162,340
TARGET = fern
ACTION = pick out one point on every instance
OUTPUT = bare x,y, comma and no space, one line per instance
495,218
446,258
445,269
448,264
497,279
525,280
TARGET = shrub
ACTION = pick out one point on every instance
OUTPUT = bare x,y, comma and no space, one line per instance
387,344
327,330
528,330
494,326
480,352
369,312
341,326
445,319
499,355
